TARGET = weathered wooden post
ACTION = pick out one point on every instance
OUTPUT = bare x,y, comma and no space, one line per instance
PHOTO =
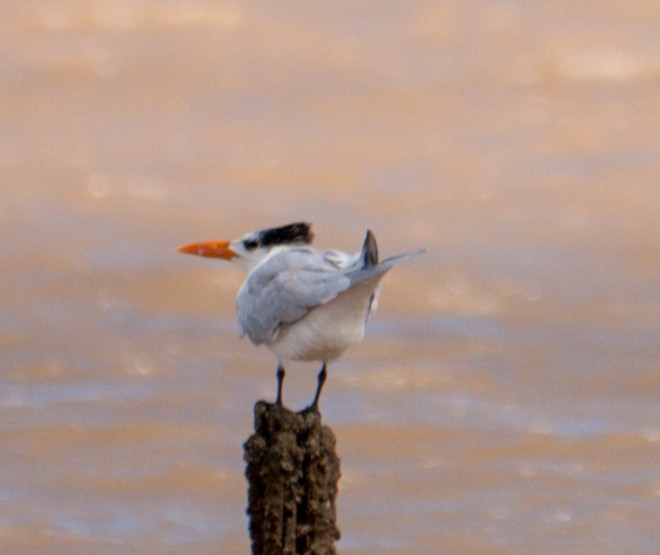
292,471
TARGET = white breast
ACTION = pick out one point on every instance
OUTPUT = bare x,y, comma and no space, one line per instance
328,330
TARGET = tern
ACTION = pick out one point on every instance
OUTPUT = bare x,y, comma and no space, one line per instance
301,302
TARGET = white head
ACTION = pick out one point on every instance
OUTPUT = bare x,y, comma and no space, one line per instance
250,249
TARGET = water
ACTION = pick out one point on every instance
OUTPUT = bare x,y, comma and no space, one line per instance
506,398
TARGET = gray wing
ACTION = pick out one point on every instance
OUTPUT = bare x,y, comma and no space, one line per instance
377,271
285,288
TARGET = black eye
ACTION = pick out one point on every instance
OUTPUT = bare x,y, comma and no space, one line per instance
250,244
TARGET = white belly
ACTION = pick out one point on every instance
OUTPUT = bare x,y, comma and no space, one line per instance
327,330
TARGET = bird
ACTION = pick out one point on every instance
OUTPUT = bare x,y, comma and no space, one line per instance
303,303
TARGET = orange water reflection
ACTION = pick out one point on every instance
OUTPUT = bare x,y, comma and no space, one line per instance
506,397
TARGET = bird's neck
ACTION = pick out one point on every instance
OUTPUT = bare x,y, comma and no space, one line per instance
249,264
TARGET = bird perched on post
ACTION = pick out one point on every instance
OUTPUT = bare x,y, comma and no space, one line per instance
303,303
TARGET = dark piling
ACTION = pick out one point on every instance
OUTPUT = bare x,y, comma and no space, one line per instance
292,472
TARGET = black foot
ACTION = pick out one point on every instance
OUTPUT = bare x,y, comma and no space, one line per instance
323,374
280,382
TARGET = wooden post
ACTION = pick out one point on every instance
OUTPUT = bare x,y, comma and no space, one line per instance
292,471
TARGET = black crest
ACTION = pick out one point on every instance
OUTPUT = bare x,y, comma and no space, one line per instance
300,232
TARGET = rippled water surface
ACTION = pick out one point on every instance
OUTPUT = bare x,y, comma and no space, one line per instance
506,399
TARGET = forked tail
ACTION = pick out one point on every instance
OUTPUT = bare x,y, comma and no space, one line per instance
369,250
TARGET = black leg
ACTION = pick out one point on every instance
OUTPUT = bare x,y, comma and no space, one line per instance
323,374
280,381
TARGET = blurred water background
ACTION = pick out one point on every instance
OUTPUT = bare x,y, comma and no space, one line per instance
507,397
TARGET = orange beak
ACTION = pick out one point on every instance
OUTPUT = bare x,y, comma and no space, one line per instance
212,249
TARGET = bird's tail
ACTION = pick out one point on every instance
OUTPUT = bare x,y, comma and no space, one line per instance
369,250
371,268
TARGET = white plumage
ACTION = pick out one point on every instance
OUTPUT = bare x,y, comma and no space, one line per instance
303,303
